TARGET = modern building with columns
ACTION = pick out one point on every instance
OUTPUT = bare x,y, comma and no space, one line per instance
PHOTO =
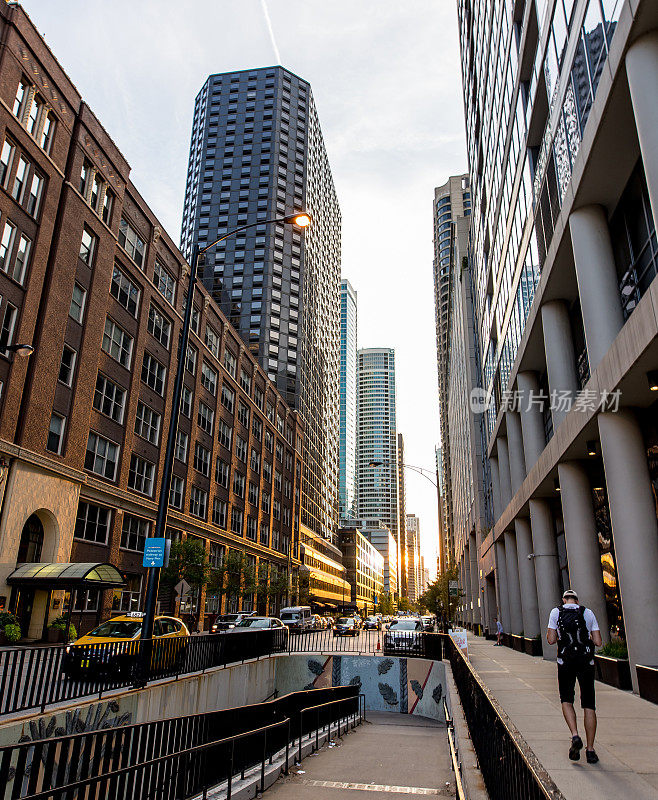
562,125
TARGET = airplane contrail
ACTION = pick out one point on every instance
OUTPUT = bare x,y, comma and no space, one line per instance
269,28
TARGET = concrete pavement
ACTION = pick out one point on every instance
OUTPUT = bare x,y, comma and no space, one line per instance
389,755
526,688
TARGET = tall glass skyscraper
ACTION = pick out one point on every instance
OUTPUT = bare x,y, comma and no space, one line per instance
348,369
257,153
377,440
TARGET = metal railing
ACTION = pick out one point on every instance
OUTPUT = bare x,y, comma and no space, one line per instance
510,769
454,754
369,642
174,758
33,678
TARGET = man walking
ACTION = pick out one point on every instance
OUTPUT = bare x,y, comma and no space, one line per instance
576,632
499,632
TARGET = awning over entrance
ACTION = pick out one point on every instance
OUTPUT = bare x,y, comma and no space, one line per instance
67,576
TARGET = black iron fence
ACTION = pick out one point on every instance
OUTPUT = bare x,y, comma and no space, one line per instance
176,758
38,677
510,769
368,642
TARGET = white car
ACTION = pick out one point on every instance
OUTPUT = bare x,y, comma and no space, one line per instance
404,636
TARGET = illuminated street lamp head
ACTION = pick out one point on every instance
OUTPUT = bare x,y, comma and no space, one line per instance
302,219
22,350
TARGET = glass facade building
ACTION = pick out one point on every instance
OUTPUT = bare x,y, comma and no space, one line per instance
256,154
348,368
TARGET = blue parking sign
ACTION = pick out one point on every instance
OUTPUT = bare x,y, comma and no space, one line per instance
154,552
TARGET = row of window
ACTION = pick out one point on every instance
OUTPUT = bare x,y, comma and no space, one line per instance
31,110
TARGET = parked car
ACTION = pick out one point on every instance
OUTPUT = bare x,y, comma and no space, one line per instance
297,618
404,635
346,626
319,623
227,621
329,622
428,623
259,623
85,656
372,624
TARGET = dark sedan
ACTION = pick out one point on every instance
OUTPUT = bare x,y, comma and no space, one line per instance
372,624
346,626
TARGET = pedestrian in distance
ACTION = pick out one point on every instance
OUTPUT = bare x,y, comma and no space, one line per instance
499,632
576,632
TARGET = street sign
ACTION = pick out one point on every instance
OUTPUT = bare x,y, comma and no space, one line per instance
154,552
453,588
182,587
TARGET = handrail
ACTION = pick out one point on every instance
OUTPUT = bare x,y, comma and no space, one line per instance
456,764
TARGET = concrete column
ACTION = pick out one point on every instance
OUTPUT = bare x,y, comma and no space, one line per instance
641,69
634,531
501,584
513,585
598,286
475,579
532,421
582,540
495,487
560,355
547,572
504,473
527,580
466,567
492,607
515,450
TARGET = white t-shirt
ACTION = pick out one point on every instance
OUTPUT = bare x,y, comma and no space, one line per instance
499,627
590,619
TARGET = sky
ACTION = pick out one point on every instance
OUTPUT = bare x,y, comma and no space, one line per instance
385,76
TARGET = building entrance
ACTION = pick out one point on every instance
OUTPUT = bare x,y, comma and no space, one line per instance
29,552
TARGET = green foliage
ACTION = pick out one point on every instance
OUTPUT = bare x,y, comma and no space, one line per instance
13,633
437,598
278,584
301,585
614,649
234,577
385,604
7,619
187,561
59,624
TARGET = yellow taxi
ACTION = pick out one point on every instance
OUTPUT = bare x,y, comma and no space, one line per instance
112,646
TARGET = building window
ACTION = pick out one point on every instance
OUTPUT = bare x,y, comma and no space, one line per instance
228,398
245,381
34,115
128,599
20,179
131,242
219,510
34,197
22,256
255,460
243,414
186,402
88,246
92,523
205,418
47,133
67,365
153,373
257,427
222,473
253,493
164,283
198,502
102,456
134,532
108,203
230,362
241,448
180,449
77,308
140,475
208,378
201,459
212,341
8,325
109,398
190,360
6,160
55,434
117,343
225,434
252,528
85,175
147,423
159,326
176,492
6,245
237,517
238,484
124,291
21,98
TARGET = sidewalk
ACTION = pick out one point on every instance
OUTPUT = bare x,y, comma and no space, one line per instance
526,688
389,755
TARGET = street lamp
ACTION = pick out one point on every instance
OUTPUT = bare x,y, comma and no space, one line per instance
302,220
420,470
23,350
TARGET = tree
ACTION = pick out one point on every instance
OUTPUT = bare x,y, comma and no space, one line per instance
385,604
188,562
437,598
301,586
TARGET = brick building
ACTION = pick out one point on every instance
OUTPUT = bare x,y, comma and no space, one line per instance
90,279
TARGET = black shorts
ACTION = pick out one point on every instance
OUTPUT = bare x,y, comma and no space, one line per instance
568,674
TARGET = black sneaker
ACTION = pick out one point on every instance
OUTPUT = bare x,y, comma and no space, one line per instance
592,758
576,747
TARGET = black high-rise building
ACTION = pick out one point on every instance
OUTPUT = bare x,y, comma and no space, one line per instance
257,153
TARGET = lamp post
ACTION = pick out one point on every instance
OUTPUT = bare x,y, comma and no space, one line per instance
302,220
420,470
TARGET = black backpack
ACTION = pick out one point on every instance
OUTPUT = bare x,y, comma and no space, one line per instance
574,645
